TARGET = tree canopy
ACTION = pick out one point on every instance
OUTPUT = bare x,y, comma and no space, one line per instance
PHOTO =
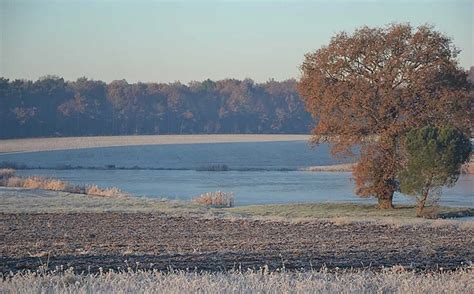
371,87
433,160
52,106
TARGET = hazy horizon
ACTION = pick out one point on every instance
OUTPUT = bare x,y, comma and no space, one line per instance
177,41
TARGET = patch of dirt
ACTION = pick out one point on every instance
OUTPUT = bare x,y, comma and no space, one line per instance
87,241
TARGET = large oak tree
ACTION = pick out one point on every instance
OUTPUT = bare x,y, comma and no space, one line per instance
370,87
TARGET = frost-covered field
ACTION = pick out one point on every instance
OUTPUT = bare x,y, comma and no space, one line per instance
393,280
46,144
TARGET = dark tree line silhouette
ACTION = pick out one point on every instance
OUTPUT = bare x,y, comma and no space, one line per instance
52,106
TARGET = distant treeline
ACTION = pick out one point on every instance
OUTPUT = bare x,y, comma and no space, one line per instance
52,106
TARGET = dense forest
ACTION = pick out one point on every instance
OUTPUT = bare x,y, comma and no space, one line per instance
52,106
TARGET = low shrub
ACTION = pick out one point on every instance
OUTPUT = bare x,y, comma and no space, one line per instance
216,199
33,182
107,192
56,185
8,179
46,184
14,182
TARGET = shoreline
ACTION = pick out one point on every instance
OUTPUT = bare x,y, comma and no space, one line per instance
37,200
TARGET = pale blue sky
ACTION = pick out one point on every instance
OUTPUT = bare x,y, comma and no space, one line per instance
169,41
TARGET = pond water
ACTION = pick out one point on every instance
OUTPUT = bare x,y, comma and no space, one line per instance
259,173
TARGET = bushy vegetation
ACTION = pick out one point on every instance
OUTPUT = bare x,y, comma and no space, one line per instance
105,192
216,199
390,280
36,182
434,159
8,179
52,106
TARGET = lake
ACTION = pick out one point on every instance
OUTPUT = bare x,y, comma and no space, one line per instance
259,172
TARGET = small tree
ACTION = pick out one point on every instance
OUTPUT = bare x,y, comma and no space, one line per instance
433,160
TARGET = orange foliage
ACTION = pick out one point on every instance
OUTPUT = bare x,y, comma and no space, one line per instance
371,87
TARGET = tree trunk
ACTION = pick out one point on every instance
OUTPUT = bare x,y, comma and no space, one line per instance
421,204
385,202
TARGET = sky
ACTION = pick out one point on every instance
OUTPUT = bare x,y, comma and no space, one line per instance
155,41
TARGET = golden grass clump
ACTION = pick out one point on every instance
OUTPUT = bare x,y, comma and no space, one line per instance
33,182
56,185
216,199
105,192
46,184
8,179
14,182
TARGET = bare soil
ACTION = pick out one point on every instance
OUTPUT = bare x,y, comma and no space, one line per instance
87,241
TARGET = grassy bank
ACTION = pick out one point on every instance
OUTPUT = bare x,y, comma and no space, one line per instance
19,200
332,210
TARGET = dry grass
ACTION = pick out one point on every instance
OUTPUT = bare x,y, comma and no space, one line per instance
46,184
391,280
216,199
37,183
8,179
107,192
13,182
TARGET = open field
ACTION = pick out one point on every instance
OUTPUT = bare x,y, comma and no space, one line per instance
87,241
86,232
393,280
47,144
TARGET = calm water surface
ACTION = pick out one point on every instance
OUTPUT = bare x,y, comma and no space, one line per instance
267,185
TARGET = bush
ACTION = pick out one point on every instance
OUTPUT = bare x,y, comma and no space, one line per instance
56,185
433,159
43,183
216,199
107,192
14,182
8,179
